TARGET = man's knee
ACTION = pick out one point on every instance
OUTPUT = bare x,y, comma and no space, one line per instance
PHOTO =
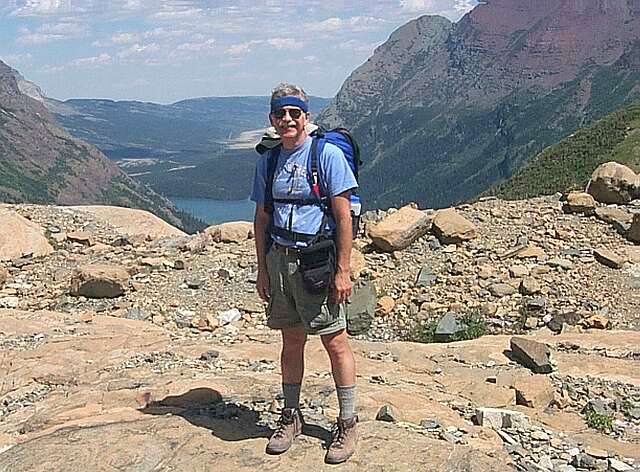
293,339
336,343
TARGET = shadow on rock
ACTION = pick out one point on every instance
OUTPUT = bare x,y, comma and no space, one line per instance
229,421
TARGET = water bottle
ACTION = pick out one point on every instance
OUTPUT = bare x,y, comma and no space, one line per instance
356,208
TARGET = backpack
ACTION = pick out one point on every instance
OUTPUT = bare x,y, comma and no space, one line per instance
339,137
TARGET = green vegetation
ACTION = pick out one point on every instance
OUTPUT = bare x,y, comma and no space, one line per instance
569,164
424,332
603,423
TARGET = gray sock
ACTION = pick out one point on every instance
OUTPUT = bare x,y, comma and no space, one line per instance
347,401
291,395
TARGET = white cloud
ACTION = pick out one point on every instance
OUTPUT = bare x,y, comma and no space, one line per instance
177,12
207,45
285,43
243,48
93,61
353,24
42,7
125,38
17,58
50,32
51,69
139,50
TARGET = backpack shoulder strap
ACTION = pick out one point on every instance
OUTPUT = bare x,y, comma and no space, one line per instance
317,147
272,162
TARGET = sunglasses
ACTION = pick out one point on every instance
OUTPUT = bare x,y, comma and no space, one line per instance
294,113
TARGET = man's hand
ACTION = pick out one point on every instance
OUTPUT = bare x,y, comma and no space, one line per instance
262,284
341,287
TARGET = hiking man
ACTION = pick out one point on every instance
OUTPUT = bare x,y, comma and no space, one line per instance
287,223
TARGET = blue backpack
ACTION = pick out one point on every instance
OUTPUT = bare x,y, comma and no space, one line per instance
339,137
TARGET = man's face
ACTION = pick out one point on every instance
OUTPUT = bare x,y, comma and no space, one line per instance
286,124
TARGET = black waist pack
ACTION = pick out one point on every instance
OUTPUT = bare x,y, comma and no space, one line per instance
317,265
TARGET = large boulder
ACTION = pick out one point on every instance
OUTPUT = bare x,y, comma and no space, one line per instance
633,234
613,183
131,221
398,230
452,228
99,281
231,232
579,202
19,236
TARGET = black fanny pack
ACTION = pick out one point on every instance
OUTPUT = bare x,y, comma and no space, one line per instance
317,265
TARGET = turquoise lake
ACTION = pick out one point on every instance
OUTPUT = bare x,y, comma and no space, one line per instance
216,211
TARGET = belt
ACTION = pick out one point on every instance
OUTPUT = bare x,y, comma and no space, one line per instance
286,250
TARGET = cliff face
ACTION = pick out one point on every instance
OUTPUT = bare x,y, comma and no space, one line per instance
445,110
41,163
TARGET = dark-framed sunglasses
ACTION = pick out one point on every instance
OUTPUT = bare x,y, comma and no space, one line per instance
294,113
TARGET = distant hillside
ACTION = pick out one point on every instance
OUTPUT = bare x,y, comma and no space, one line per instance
179,149
42,163
446,110
570,163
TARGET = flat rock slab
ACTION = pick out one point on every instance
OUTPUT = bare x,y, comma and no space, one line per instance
99,281
231,232
19,236
131,221
400,229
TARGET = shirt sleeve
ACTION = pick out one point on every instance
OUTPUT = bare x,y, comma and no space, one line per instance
338,176
260,179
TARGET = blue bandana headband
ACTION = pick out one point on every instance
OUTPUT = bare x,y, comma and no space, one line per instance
288,100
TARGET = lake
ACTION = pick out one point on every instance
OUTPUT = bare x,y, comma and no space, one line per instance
216,211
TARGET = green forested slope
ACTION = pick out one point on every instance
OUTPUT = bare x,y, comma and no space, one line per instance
570,163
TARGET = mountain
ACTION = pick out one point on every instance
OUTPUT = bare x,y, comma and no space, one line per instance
198,147
570,163
42,163
445,110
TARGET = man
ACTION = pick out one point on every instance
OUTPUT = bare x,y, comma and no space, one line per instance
283,225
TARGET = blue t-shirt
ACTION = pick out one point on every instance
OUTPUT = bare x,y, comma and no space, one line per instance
292,182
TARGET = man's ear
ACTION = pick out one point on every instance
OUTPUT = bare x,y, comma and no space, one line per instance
272,120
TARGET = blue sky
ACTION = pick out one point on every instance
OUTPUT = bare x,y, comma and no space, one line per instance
164,51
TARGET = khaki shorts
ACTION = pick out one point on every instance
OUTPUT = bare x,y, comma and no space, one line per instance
290,305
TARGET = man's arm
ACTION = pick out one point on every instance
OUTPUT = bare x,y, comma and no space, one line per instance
260,226
341,208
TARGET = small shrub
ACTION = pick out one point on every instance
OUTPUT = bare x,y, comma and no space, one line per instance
603,423
425,332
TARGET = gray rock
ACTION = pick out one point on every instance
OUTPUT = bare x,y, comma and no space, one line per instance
498,418
598,406
194,282
361,307
501,290
558,321
448,326
229,316
387,413
209,355
531,354
426,277
618,466
536,304
430,424
137,313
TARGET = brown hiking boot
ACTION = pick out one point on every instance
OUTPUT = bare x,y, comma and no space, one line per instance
289,426
343,444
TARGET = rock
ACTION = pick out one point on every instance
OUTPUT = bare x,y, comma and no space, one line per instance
497,418
387,413
518,271
132,222
358,264
231,232
99,281
558,321
229,316
608,258
618,466
137,313
597,321
386,304
536,303
361,307
19,236
529,286
194,282
81,237
584,461
532,354
633,233
598,406
579,202
536,392
613,183
501,290
400,229
4,276
426,277
209,355
448,326
613,215
452,228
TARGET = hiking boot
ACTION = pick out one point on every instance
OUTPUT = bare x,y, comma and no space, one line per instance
289,426
343,444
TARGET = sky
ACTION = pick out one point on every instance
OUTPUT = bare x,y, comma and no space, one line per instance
165,51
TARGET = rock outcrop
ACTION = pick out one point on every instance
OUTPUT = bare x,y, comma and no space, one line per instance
19,237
